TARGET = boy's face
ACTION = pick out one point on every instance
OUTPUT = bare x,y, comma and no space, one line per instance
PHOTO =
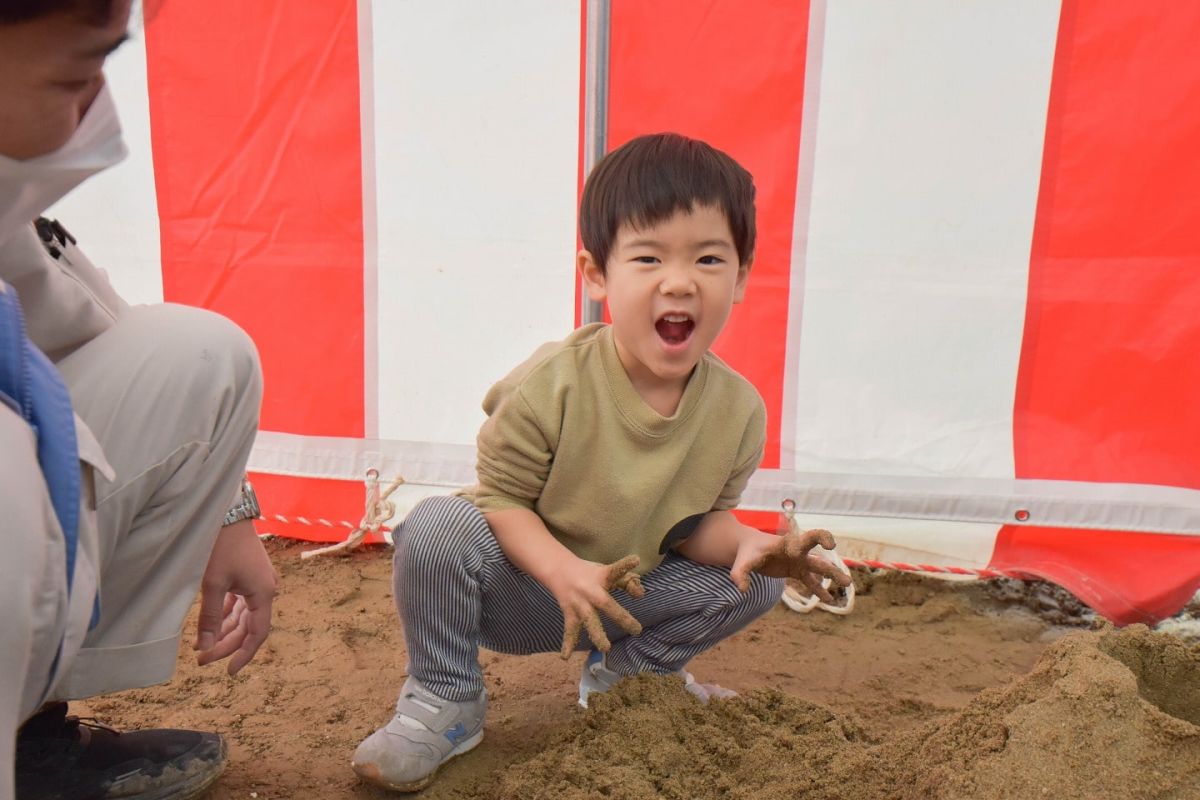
670,288
50,72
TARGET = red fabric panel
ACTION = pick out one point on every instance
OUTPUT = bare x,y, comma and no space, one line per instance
257,155
1128,577
730,72
1109,373
314,499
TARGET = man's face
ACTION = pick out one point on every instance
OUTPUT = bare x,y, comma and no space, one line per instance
50,71
670,288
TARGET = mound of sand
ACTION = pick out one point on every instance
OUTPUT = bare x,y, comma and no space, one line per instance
1102,714
1108,714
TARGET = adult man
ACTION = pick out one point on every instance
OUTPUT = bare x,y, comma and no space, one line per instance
119,499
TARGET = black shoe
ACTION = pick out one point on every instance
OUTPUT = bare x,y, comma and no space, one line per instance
64,758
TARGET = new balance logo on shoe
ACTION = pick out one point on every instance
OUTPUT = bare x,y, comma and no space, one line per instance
457,733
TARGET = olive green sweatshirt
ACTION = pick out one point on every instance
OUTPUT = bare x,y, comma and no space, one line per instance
568,437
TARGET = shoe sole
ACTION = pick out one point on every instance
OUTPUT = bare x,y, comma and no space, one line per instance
193,782
369,772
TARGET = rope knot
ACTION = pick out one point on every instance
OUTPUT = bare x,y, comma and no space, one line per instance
379,509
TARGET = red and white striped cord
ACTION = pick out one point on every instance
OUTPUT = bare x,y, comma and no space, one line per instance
797,601
903,567
378,511
305,521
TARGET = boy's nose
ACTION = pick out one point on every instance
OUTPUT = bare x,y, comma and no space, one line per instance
677,280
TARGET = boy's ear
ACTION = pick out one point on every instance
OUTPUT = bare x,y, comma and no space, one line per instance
593,276
743,276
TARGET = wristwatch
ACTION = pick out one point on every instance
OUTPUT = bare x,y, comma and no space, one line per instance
245,508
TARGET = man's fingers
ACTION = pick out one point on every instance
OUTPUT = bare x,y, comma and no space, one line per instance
208,625
226,645
232,617
258,625
244,628
624,620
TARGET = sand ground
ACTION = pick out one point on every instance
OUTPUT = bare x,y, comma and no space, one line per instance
915,652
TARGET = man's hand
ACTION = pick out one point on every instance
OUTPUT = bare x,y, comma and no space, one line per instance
584,587
235,598
788,556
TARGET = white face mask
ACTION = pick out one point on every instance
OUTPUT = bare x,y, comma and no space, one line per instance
27,188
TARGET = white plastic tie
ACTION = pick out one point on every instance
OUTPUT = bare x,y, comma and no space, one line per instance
804,604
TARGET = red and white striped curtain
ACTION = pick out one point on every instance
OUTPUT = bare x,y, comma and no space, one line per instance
974,313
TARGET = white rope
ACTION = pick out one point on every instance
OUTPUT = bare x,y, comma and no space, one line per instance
804,603
379,510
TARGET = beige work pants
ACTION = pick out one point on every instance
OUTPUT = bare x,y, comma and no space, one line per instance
172,395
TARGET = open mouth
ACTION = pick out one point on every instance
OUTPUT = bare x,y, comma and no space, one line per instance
675,329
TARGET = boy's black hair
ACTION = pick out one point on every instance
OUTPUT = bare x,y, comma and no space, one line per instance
98,12
648,179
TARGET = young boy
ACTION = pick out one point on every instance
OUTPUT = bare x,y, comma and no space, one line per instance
607,468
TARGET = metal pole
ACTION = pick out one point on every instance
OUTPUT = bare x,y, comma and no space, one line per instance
595,114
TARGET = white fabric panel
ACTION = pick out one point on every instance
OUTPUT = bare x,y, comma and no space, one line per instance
366,81
928,153
422,462
114,215
806,166
936,542
1062,504
987,501
476,151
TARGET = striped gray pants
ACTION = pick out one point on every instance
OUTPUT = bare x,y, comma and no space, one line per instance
456,591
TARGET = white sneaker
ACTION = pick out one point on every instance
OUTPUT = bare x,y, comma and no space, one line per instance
597,677
426,732
705,691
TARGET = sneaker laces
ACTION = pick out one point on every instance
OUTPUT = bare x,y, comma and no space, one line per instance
52,734
93,724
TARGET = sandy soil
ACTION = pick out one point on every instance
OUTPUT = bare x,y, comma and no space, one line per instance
905,671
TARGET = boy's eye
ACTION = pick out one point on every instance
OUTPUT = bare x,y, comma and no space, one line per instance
711,260
646,259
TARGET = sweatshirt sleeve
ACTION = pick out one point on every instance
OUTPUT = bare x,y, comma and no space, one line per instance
748,458
67,300
514,452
